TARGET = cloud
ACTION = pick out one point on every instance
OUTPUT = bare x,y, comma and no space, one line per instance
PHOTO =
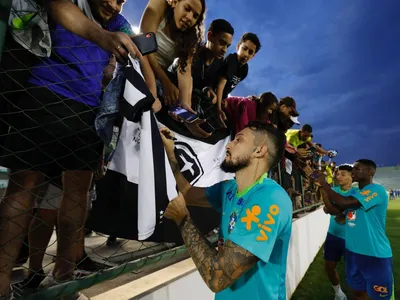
338,59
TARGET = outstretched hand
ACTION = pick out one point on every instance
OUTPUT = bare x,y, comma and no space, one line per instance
319,178
120,45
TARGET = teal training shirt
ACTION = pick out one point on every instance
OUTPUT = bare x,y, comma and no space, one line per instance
259,220
366,226
336,229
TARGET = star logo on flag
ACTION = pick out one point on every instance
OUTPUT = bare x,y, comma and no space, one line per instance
190,165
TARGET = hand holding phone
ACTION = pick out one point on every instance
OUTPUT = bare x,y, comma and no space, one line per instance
146,43
183,114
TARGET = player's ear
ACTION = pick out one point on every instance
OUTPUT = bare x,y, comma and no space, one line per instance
371,172
210,36
260,151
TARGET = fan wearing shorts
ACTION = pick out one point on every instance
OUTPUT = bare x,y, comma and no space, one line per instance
334,247
48,202
52,126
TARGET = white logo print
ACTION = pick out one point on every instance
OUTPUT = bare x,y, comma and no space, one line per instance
189,162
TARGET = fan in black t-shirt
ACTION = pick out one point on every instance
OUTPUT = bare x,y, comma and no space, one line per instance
235,69
205,66
203,74
234,72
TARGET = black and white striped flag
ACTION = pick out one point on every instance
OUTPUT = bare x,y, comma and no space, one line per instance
139,184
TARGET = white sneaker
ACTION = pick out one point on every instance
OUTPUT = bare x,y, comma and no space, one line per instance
75,296
341,297
50,281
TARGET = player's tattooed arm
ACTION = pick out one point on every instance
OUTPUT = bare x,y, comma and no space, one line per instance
219,269
194,196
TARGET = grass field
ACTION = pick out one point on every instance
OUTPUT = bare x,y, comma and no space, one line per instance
315,285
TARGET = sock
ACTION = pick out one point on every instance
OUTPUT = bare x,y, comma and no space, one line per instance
338,290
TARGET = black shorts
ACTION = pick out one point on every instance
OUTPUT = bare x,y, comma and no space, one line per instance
334,248
49,132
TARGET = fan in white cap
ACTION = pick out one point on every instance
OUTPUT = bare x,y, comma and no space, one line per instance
295,120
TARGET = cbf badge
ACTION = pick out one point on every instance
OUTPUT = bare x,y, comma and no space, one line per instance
232,222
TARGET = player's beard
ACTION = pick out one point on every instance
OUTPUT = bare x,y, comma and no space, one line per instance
233,167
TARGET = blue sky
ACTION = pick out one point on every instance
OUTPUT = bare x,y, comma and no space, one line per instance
339,59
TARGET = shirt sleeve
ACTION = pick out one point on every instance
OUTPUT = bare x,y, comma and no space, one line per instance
231,108
261,221
369,198
229,66
121,24
242,117
290,136
215,196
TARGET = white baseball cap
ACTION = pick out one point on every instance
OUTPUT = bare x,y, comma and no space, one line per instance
295,120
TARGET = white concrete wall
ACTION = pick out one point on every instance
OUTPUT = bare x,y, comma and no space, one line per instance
308,235
182,281
189,287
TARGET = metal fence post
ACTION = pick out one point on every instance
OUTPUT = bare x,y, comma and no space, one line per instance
279,174
302,191
5,7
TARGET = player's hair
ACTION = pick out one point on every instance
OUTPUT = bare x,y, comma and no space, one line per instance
345,167
276,141
221,26
319,145
306,128
252,37
367,162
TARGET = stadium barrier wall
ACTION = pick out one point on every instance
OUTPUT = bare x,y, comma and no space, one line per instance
182,281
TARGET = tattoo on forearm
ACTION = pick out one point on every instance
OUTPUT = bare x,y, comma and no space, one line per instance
174,166
219,269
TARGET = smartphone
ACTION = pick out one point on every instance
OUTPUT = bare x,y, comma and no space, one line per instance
183,114
146,43
207,127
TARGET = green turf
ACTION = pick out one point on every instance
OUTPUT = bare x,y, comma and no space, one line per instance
315,285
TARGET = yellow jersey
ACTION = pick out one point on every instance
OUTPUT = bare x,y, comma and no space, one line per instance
293,138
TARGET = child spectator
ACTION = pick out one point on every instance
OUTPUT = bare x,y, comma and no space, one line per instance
207,62
235,68
242,110
178,27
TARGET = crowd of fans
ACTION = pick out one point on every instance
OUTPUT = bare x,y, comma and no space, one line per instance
394,193
49,103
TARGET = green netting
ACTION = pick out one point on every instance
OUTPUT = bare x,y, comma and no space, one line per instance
108,274
80,284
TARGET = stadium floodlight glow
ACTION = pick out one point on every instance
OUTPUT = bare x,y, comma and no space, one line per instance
135,29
